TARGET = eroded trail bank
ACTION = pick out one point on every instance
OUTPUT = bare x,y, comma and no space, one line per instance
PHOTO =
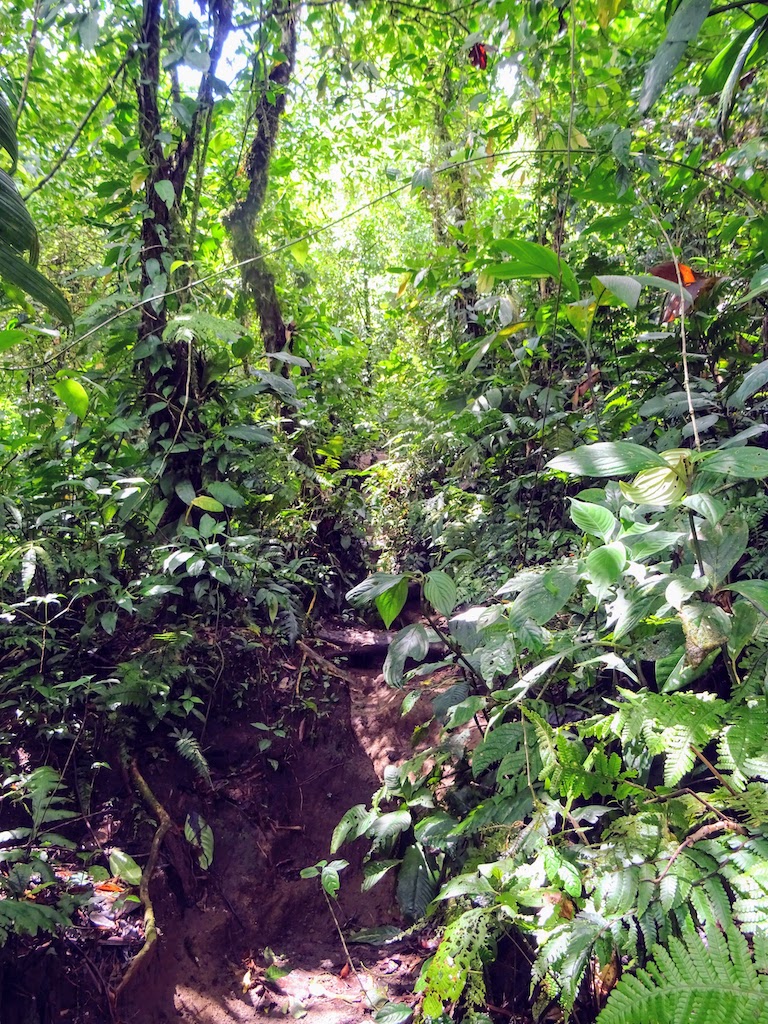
253,938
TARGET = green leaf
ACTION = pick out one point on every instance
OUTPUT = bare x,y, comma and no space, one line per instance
199,834
416,883
605,564
682,29
11,337
721,545
422,179
607,458
375,870
716,73
73,395
745,463
108,622
755,591
464,712
393,1013
300,250
708,507
656,486
355,823
616,286
542,598
531,261
226,494
754,380
125,867
16,226
329,876
207,504
440,591
165,190
410,642
8,133
16,271
390,602
593,519
388,826
249,432
185,492
730,89
367,591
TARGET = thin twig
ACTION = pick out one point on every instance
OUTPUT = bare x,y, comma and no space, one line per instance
81,127
701,833
31,50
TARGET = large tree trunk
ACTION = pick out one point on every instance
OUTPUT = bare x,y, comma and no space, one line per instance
450,205
241,221
172,371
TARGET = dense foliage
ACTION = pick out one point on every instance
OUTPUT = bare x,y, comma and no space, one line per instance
367,298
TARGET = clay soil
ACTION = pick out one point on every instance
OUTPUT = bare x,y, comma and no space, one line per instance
225,933
269,823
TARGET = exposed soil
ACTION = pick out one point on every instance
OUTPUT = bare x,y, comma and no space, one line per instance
269,824
272,813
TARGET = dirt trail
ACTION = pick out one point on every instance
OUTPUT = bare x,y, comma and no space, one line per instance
269,823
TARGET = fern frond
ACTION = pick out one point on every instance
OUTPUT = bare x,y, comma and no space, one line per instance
696,981
188,747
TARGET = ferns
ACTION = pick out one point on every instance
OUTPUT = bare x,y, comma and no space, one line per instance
188,747
696,981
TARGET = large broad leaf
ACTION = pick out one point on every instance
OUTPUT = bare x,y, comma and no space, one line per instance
416,883
745,463
731,87
390,603
607,458
393,1013
716,74
440,591
662,487
367,591
8,133
15,270
754,381
226,494
606,563
529,260
16,226
410,642
594,519
683,27
755,591
543,598
721,545
613,289
73,395
249,432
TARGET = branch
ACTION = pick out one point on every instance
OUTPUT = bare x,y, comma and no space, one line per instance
325,665
221,14
701,833
31,49
81,127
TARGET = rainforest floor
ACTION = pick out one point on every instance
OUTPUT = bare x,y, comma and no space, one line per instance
248,939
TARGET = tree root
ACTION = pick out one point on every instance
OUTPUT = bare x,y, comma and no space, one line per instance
150,925
325,665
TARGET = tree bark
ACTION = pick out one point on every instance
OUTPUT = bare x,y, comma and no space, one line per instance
172,371
241,221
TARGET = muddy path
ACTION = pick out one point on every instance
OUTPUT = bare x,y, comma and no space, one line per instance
224,936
